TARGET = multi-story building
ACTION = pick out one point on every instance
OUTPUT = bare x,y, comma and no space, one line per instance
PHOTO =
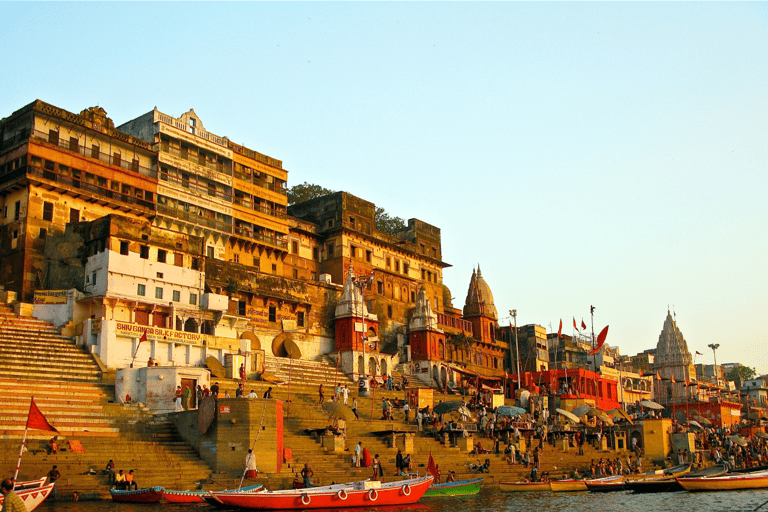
57,167
532,341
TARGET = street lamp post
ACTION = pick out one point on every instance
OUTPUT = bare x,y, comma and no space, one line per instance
517,347
714,347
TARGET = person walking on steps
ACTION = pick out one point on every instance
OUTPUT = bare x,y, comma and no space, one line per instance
306,475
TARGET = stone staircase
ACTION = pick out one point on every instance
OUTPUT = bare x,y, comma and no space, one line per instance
67,387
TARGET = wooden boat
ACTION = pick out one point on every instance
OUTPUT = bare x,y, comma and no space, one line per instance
567,485
218,504
31,484
669,484
184,496
524,486
32,497
459,488
607,484
725,483
359,494
147,495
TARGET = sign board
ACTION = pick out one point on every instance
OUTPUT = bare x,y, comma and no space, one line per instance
129,330
96,326
51,297
224,409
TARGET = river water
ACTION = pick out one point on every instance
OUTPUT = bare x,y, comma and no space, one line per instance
492,500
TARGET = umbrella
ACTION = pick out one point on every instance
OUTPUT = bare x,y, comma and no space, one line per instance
594,411
739,440
651,405
568,415
761,434
463,411
605,418
581,410
450,406
695,423
510,410
338,411
621,413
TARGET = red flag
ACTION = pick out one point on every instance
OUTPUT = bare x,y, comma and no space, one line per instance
560,330
432,467
672,378
574,324
658,376
600,340
143,336
583,325
699,353
36,420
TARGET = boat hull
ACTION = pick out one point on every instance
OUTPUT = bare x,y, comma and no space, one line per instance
725,483
33,497
148,495
391,493
606,484
660,485
184,496
460,488
567,485
524,486
31,484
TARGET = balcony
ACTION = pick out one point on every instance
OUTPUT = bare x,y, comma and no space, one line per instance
247,203
273,186
88,187
249,233
195,159
195,218
130,165
456,323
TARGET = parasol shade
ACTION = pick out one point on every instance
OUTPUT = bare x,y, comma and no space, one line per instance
651,405
338,411
510,410
572,417
622,414
450,406
695,423
581,410
594,411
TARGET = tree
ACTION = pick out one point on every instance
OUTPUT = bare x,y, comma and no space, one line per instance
741,373
306,191
387,224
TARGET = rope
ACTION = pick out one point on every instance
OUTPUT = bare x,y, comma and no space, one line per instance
258,433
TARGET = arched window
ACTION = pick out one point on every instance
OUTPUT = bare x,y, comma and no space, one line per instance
360,364
372,366
384,367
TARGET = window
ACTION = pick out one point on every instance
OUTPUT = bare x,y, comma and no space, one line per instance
295,247
300,319
16,210
178,259
295,274
388,262
389,311
195,264
176,296
74,215
272,314
406,267
330,250
274,267
116,159
158,293
315,254
141,290
368,256
380,287
193,298
53,137
94,151
352,251
256,262
397,265
73,144
236,258
144,252
241,307
413,296
93,278
160,275
162,255
209,251
43,233
47,211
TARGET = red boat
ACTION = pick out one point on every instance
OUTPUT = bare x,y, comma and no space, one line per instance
368,493
148,495
184,496
33,497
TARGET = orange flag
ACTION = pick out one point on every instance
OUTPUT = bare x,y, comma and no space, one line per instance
36,420
600,340
560,330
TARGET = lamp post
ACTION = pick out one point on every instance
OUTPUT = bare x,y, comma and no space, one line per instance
714,347
517,347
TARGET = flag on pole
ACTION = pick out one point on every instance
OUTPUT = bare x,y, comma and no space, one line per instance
560,330
658,376
672,378
36,420
432,467
574,324
143,336
583,325
699,353
600,340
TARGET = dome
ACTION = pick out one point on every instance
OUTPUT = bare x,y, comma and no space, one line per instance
479,298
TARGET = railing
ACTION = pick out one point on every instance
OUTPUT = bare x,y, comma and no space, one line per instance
16,139
248,233
221,141
194,187
255,155
185,155
195,218
456,323
88,153
246,203
88,187
274,186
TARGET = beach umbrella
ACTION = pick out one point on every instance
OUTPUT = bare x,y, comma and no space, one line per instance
594,412
581,410
450,406
510,410
651,405
695,424
572,417
621,414
605,419
338,411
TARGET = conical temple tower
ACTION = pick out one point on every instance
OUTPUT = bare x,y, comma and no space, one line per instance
674,363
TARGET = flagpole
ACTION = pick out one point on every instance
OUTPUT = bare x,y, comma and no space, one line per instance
21,452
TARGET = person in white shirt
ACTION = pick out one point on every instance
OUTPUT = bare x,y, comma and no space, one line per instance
345,394
252,394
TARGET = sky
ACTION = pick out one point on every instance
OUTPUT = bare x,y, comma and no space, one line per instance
582,154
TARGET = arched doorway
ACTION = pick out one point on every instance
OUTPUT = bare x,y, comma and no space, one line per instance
383,365
360,364
372,366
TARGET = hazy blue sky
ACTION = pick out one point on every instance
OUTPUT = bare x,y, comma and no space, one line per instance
606,154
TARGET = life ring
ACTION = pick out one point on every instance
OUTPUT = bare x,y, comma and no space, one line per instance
373,495
305,496
406,489
342,494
